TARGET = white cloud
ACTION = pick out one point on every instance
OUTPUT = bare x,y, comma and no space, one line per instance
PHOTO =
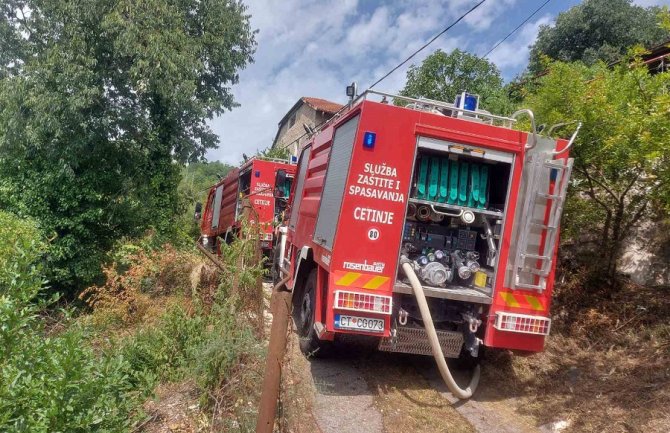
315,48
482,18
513,53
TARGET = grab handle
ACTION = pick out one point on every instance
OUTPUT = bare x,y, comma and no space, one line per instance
572,138
532,125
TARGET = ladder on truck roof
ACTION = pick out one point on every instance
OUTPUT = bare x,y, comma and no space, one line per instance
540,217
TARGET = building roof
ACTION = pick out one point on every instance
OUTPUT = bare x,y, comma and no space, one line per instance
322,104
658,57
317,104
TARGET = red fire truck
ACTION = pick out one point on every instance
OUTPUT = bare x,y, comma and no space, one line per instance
446,197
250,186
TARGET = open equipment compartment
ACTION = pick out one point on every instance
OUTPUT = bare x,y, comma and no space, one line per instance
455,213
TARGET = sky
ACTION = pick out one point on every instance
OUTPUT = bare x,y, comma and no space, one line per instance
317,47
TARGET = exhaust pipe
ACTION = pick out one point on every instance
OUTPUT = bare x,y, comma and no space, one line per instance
432,337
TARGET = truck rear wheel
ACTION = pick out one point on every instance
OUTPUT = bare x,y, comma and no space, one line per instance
466,361
275,271
310,345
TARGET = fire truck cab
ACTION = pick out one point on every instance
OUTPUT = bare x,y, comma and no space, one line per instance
471,204
250,190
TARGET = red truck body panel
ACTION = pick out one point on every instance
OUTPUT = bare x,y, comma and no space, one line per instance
255,181
363,256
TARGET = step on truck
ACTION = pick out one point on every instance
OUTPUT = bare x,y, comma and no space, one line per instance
246,192
453,195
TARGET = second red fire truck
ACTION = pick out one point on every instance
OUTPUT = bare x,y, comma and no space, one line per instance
247,191
430,227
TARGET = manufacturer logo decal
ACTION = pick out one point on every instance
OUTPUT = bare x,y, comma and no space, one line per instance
365,266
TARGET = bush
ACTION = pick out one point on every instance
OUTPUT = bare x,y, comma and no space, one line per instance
53,383
138,275
62,381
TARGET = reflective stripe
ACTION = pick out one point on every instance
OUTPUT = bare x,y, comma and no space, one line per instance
520,300
348,279
534,303
375,282
360,280
509,299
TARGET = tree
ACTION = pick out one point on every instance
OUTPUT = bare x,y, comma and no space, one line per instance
442,76
622,164
100,101
596,30
194,186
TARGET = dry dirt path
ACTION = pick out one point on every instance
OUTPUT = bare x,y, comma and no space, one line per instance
370,392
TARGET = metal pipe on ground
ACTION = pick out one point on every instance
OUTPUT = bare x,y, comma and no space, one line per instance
281,310
212,257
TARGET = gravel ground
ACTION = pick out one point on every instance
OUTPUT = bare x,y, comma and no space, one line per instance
371,392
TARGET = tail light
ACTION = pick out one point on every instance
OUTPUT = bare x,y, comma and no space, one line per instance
522,323
363,302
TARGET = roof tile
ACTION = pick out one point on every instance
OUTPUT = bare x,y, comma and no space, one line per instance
322,104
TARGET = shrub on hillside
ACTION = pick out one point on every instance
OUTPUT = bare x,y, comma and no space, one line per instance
53,383
136,276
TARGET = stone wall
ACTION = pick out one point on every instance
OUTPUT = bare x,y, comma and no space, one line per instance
293,136
646,258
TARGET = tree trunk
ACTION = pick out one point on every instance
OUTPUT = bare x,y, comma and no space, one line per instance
615,240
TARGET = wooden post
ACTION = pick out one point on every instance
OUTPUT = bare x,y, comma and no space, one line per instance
281,310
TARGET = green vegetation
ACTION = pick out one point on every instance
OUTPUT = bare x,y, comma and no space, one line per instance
442,76
75,377
52,383
276,152
99,106
622,170
596,30
196,179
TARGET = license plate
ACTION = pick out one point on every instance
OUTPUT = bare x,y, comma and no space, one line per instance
359,323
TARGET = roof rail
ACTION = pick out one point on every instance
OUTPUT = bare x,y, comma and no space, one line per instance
425,104
265,158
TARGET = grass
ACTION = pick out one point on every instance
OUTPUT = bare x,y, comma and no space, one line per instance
605,368
151,323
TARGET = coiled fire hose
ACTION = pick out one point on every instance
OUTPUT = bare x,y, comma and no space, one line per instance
434,342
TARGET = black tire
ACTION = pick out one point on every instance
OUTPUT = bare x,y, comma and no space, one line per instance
310,345
274,270
466,361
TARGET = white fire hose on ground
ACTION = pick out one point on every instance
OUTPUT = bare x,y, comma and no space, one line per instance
434,342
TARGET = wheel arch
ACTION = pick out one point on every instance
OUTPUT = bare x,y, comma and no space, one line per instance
303,267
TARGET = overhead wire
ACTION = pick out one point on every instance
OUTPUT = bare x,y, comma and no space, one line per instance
433,39
446,29
517,28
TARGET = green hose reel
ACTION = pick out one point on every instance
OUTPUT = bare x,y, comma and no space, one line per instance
421,180
433,178
460,183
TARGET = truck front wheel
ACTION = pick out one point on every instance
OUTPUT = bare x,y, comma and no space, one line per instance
310,345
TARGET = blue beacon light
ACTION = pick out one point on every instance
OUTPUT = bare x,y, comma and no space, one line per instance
369,140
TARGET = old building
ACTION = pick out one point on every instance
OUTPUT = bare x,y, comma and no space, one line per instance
307,111
658,58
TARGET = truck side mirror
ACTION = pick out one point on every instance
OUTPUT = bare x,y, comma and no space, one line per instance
280,183
198,211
